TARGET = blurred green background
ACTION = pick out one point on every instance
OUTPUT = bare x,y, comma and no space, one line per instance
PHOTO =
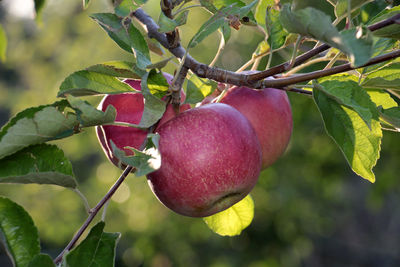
310,209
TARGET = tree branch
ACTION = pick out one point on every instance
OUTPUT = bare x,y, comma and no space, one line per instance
253,80
313,52
278,83
93,213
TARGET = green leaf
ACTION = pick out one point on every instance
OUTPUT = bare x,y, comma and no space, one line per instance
300,4
391,115
39,4
391,31
208,4
381,98
85,82
214,5
126,35
42,260
233,220
85,3
123,69
218,20
268,17
359,144
20,234
276,33
168,25
36,125
381,46
341,7
157,84
123,7
385,78
38,164
358,45
198,88
154,107
98,249
145,162
351,95
311,22
89,115
3,44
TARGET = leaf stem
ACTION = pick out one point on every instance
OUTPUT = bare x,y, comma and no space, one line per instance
220,49
84,199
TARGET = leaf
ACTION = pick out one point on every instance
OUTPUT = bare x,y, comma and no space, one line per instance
39,4
85,3
89,115
311,22
85,82
145,162
268,17
218,20
300,4
198,88
386,78
123,69
38,164
214,6
351,95
168,25
123,7
157,84
233,220
276,33
391,31
381,46
21,235
341,7
381,98
36,125
358,45
154,107
42,260
126,35
98,249
359,144
391,115
3,44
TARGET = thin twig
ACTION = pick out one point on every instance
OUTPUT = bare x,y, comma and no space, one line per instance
277,83
93,213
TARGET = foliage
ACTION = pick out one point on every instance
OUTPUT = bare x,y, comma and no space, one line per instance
355,108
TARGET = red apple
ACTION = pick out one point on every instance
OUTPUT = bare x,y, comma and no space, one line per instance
210,159
129,108
269,112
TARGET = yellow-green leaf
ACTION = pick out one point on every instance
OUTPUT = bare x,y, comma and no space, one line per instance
359,144
233,220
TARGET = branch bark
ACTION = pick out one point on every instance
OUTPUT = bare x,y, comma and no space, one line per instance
256,80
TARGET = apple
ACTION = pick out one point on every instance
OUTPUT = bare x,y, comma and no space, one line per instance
210,159
129,108
270,114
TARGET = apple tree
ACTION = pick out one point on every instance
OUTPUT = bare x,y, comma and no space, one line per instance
202,134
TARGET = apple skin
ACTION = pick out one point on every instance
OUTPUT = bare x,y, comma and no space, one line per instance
129,108
210,159
269,112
